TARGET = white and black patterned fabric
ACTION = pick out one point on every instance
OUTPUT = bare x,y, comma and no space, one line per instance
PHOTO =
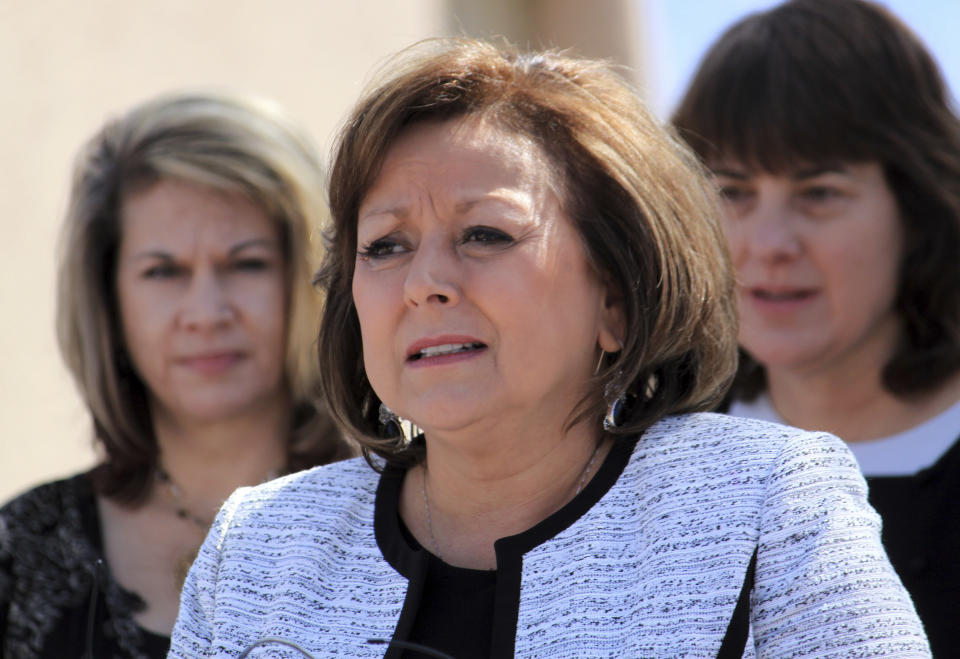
648,561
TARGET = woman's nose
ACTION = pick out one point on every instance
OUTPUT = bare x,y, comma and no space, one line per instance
433,275
770,231
206,304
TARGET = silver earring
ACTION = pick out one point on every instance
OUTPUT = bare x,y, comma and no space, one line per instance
614,413
390,427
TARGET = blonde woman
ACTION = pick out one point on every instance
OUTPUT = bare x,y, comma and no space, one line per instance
186,316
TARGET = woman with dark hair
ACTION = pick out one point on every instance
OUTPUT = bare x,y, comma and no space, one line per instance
527,268
828,128
187,318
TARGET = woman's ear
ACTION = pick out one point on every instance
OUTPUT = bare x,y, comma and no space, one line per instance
613,325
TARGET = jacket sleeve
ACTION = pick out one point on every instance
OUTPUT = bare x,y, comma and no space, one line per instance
194,634
824,586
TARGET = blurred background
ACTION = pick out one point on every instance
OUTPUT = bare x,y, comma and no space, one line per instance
68,66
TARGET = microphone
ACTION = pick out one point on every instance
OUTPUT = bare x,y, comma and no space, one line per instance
276,641
406,645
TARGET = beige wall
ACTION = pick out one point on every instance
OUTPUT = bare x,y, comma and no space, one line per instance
607,29
66,66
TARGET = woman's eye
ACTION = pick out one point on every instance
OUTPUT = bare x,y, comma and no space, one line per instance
380,249
251,265
820,193
487,235
162,271
734,194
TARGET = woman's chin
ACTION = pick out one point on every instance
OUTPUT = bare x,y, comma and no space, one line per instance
214,410
443,409
787,358
449,421
788,349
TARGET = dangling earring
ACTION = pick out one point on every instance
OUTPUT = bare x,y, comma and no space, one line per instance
614,413
390,427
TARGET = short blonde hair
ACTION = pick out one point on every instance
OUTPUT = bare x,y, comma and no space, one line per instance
645,210
229,143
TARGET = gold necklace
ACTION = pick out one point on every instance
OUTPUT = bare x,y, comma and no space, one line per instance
426,501
179,507
185,559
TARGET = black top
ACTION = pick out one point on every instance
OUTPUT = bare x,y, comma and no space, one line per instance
459,618
57,596
471,613
921,533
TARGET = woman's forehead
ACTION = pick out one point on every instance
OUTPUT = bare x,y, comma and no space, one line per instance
467,153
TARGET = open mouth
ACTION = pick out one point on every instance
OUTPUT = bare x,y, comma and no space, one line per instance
445,349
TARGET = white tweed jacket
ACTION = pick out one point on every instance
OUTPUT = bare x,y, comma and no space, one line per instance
649,563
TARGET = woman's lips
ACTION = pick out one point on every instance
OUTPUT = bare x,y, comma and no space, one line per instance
443,350
781,296
779,299
211,364
447,357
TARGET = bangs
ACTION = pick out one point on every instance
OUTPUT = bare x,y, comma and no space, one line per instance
771,97
776,133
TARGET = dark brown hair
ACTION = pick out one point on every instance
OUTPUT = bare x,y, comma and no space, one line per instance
814,81
226,143
642,205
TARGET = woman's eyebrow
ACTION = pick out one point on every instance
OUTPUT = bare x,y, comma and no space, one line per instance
269,243
819,170
152,254
398,211
740,175
461,207
503,198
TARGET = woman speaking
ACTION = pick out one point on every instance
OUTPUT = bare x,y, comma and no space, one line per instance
529,271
